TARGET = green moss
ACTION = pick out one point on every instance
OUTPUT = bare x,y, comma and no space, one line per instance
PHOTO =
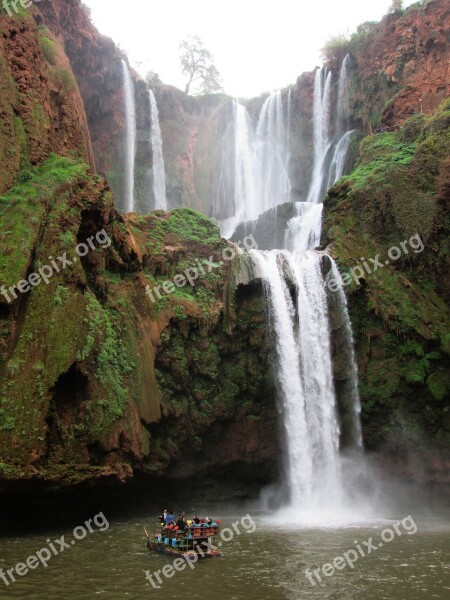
22,210
113,364
398,312
446,343
6,469
378,155
192,226
439,384
48,48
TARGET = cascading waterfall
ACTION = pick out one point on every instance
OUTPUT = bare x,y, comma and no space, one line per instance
342,108
294,405
316,367
159,173
321,126
304,230
305,375
130,138
337,164
288,123
302,327
350,358
272,152
254,169
238,175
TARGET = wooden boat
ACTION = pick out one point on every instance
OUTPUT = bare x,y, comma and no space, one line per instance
196,542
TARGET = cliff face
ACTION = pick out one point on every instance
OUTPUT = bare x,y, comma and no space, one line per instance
388,227
96,63
192,129
402,64
398,67
40,107
99,382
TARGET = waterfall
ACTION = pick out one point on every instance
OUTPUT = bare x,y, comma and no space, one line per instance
321,128
299,456
254,165
316,368
302,309
159,173
337,164
288,123
130,138
342,108
305,375
304,230
238,174
310,322
350,358
272,150
245,193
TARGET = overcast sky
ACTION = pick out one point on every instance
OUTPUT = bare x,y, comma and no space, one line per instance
258,45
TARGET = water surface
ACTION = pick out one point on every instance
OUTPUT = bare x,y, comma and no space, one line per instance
267,564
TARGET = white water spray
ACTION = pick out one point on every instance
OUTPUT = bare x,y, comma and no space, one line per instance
304,230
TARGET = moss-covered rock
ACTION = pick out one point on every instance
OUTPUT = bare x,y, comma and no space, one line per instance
393,209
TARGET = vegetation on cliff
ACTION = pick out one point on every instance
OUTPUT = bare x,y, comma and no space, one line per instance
399,189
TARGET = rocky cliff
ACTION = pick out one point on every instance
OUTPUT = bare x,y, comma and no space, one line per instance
399,67
387,224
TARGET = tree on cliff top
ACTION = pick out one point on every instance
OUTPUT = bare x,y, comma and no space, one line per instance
197,63
396,6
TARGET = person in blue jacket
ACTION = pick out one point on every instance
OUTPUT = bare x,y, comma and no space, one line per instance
170,519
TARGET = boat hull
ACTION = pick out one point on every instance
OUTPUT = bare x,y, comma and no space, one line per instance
189,555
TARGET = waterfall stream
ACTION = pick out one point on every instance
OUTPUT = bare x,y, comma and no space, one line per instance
159,173
272,151
321,127
305,315
337,165
254,169
342,108
130,138
304,230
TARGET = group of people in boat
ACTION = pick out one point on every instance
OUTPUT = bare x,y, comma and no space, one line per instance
168,521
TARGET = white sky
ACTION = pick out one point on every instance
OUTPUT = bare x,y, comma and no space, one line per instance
258,45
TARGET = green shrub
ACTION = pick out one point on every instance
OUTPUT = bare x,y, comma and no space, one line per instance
48,50
63,80
413,128
336,48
